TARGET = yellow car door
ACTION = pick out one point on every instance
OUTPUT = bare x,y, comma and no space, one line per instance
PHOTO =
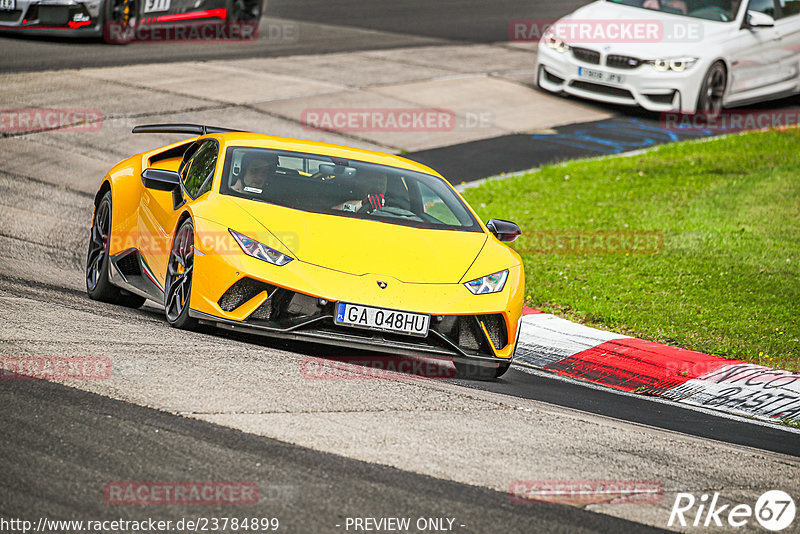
158,212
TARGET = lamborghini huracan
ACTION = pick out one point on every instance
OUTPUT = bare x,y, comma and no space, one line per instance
307,241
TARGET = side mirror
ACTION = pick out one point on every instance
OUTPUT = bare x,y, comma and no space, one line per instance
161,180
755,19
505,231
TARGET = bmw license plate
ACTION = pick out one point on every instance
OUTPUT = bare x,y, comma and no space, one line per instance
600,76
8,5
415,324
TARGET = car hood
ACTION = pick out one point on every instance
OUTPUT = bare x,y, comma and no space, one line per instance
361,247
704,32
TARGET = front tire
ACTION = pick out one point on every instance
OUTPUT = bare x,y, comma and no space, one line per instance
98,286
178,287
712,92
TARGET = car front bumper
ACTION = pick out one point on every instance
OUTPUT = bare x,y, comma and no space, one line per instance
559,72
237,292
65,17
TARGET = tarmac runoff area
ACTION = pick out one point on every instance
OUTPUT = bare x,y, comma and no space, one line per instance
427,427
481,92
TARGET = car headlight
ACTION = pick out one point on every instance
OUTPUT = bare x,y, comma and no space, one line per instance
253,248
551,41
492,283
675,64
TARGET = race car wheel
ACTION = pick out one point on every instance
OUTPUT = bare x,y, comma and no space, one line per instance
473,371
712,92
246,10
98,286
179,278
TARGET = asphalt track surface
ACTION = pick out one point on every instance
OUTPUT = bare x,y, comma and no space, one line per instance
630,130
552,390
52,470
321,27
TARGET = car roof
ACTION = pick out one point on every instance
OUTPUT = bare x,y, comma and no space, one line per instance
314,147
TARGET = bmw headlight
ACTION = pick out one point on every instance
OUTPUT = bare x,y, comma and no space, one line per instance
253,248
551,41
675,64
492,283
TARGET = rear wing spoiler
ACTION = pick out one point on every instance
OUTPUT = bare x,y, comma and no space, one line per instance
191,129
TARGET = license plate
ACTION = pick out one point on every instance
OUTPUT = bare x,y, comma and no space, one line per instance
415,324
600,76
154,6
8,5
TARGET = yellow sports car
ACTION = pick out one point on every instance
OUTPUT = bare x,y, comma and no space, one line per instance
309,241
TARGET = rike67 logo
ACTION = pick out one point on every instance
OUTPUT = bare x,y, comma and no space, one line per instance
774,510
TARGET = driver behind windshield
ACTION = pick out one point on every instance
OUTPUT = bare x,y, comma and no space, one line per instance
370,194
257,168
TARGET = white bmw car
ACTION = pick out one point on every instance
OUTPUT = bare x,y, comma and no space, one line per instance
683,56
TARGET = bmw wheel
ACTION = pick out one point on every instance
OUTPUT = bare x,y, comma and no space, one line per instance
98,287
178,287
712,92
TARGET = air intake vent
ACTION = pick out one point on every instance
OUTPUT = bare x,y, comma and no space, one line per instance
469,335
241,292
263,312
552,78
496,327
662,99
129,265
602,89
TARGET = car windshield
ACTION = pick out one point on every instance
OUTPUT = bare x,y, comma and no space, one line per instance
719,10
346,188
